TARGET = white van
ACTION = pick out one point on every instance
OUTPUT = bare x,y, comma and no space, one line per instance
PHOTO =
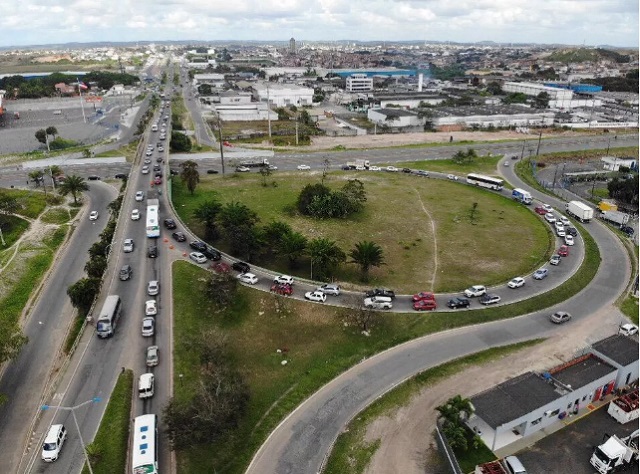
53,443
514,466
146,386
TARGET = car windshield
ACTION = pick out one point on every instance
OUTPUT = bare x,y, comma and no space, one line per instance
103,326
49,446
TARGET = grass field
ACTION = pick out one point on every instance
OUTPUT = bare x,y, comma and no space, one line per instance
128,151
484,165
505,239
56,215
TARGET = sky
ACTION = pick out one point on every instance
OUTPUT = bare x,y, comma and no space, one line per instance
576,22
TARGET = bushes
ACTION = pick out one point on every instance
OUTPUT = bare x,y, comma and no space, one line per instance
317,200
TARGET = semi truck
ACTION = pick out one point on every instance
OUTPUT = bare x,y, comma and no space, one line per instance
522,196
263,163
615,217
616,454
358,164
579,210
625,408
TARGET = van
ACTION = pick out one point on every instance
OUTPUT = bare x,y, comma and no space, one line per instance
146,386
514,466
53,443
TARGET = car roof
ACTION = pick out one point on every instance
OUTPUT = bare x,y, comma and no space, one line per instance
52,434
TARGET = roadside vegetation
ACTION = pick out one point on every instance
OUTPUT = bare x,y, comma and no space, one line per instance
128,151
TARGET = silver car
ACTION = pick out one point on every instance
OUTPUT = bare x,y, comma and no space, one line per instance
330,289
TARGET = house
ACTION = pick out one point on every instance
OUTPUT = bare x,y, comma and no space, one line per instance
396,118
613,163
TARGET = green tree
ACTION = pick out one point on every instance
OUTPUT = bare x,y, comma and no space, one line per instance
190,175
265,173
464,157
42,137
96,266
326,256
307,195
494,88
542,100
73,185
53,131
180,142
366,254
292,245
82,293
274,232
37,176
206,213
238,223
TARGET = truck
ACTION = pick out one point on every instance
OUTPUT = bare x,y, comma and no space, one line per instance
357,164
625,408
263,163
522,196
615,217
579,210
615,454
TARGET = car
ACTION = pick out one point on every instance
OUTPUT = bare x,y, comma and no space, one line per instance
93,216
425,305
555,260
540,210
550,218
560,317
197,245
303,167
422,173
540,274
147,161
149,153
53,443
452,177
378,302
476,290
330,289
157,180
547,207
221,267
317,296
564,220
489,299
145,169
406,170
150,308
360,168
125,272
248,278
563,251
139,195
135,215
392,169
375,168
628,329
159,159
170,223
456,303
506,163
148,326
153,356
198,257
423,295
571,231
568,240
212,171
627,229
153,288
179,236
211,253
283,289
283,280
272,167
158,174
120,176
560,232
381,292
517,282
160,149
152,251
242,169
93,177
163,136
241,267
558,225
127,245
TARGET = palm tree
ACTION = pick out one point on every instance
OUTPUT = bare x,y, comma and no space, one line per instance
293,246
75,185
366,254
190,175
325,256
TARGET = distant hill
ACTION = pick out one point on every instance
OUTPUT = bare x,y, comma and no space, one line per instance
581,55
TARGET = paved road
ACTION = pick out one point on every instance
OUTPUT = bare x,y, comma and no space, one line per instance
301,442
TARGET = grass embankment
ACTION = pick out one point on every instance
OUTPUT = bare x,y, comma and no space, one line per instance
58,215
484,165
109,448
397,216
128,151
351,453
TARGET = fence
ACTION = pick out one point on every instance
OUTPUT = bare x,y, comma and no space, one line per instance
446,451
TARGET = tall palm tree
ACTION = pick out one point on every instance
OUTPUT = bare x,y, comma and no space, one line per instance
367,254
75,185
190,175
325,256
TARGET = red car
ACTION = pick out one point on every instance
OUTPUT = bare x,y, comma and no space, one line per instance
563,251
283,289
540,210
424,296
221,267
425,305
158,180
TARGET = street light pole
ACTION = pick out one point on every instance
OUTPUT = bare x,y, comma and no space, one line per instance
539,140
220,141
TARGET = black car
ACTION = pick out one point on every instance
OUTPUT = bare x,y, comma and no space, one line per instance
159,159
94,177
627,230
157,167
571,231
406,170
458,303
241,267
212,171
179,236
199,246
170,224
381,292
121,176
211,253
152,251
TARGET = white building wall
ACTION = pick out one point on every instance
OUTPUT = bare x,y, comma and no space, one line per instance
543,119
532,89
359,83
280,95
376,116
409,103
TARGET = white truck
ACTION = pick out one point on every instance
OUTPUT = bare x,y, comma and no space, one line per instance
579,210
616,454
522,196
358,164
625,408
615,217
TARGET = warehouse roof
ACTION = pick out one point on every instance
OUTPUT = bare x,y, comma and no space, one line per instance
621,349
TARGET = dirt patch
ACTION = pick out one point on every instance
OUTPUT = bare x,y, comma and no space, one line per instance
406,441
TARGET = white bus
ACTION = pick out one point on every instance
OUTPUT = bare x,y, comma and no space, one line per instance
153,225
485,181
144,454
109,316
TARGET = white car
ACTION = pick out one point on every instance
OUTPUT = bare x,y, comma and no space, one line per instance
547,207
135,215
139,195
145,169
375,168
283,279
559,225
564,220
153,288
550,218
127,245
476,290
453,177
568,240
628,329
303,167
517,282
378,302
561,232
148,327
149,153
150,308
248,278
53,442
93,216
316,295
243,169
393,169
198,257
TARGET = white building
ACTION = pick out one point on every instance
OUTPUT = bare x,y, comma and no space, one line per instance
359,83
613,163
395,118
558,98
282,95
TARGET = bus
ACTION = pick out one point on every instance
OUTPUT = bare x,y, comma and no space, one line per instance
153,225
144,454
485,181
109,316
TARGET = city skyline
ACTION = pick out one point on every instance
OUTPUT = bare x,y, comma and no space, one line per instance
570,22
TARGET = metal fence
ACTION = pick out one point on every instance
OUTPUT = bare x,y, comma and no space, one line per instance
446,451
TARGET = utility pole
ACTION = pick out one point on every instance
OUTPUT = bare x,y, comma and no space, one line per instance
296,129
269,113
524,142
220,142
539,140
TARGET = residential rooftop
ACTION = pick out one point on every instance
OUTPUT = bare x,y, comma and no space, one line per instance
581,371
